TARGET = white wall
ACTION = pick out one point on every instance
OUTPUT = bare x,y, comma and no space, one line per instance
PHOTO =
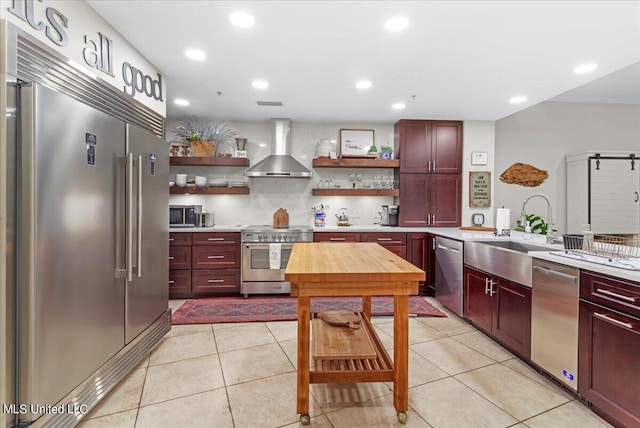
294,194
478,136
544,134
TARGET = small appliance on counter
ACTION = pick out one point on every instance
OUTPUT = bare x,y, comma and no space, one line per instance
343,217
205,220
389,215
184,215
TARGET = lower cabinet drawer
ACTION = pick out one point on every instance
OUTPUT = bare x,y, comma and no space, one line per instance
179,282
216,281
179,257
397,250
215,257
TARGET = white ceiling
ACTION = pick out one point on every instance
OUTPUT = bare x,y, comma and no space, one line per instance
460,59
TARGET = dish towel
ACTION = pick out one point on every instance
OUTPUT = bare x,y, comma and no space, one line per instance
274,256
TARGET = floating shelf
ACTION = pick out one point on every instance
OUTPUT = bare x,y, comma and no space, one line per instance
209,161
355,192
208,190
355,163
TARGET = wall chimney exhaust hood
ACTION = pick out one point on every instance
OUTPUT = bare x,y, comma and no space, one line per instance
280,163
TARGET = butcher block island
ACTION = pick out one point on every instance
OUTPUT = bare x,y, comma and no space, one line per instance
353,269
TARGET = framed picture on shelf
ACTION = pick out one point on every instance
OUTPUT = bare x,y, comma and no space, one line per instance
356,143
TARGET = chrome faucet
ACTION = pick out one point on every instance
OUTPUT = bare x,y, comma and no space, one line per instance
550,235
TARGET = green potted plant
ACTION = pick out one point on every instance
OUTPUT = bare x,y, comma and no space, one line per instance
204,136
386,152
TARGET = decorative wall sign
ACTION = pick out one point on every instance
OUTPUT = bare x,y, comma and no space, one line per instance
524,175
356,142
479,158
479,189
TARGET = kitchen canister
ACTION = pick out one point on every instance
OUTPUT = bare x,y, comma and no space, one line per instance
319,219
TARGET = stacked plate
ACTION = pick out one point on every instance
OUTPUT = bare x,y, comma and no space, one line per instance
237,183
218,183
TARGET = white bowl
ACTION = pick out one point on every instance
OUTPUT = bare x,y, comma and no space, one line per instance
181,177
172,183
181,183
201,181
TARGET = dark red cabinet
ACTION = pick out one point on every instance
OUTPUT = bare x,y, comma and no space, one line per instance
609,347
430,172
500,308
421,252
203,264
430,200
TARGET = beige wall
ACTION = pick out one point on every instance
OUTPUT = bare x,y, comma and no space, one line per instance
544,134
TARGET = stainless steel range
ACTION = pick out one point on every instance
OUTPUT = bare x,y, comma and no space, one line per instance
265,253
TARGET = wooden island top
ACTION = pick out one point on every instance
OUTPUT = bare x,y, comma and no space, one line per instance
352,269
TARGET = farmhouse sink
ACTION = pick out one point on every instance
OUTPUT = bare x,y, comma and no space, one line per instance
506,259
521,247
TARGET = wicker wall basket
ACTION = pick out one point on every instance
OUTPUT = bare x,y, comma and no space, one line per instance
201,148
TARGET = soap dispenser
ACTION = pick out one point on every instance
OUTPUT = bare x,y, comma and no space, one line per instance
527,230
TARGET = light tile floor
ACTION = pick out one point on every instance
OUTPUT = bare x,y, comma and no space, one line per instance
243,375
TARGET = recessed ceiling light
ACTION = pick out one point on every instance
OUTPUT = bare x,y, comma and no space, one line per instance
195,54
181,102
518,100
398,106
585,68
260,84
363,84
396,24
242,20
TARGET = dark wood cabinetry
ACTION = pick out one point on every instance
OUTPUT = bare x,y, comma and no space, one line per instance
499,307
203,263
430,173
429,146
336,237
394,242
421,252
609,346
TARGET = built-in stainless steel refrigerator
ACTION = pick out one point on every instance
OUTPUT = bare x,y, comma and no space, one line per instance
91,235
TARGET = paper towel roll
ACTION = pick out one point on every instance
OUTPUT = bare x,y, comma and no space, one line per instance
274,256
503,219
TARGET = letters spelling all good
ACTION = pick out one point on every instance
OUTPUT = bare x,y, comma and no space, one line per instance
98,55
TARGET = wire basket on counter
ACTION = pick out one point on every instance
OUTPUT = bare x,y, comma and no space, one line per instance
613,247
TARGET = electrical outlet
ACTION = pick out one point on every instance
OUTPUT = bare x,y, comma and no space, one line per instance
355,213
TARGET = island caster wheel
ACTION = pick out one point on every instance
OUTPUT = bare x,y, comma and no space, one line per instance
402,417
306,419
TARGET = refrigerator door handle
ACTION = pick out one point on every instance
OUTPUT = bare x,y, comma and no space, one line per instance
129,217
139,245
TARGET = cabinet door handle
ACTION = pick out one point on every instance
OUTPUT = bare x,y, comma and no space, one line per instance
171,257
215,280
434,165
171,281
433,244
215,257
616,295
215,239
385,239
637,196
172,239
337,239
605,317
486,286
433,222
491,290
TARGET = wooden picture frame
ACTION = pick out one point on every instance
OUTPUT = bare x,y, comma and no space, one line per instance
356,143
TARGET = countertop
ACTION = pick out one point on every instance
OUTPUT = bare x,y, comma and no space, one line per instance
459,235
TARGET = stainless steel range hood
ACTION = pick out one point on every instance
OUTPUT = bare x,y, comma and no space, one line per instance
280,163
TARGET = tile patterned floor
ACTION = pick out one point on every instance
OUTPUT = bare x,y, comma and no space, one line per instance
243,375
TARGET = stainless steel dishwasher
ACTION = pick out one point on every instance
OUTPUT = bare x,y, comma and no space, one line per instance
449,274
554,320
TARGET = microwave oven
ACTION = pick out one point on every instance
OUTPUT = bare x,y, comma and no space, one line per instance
184,215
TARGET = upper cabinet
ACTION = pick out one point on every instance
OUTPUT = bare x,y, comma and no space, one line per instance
429,146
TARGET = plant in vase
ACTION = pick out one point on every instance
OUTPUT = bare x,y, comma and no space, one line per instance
373,150
204,137
386,152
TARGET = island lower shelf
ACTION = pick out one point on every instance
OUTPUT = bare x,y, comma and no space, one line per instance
378,369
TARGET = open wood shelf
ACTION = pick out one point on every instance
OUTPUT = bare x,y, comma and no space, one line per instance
378,369
355,192
355,163
175,190
209,161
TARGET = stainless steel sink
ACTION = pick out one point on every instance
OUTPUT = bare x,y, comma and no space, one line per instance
521,247
506,259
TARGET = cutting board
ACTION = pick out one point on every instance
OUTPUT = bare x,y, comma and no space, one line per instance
281,219
332,342
478,228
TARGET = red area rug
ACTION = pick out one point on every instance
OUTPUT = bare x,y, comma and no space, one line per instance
284,308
